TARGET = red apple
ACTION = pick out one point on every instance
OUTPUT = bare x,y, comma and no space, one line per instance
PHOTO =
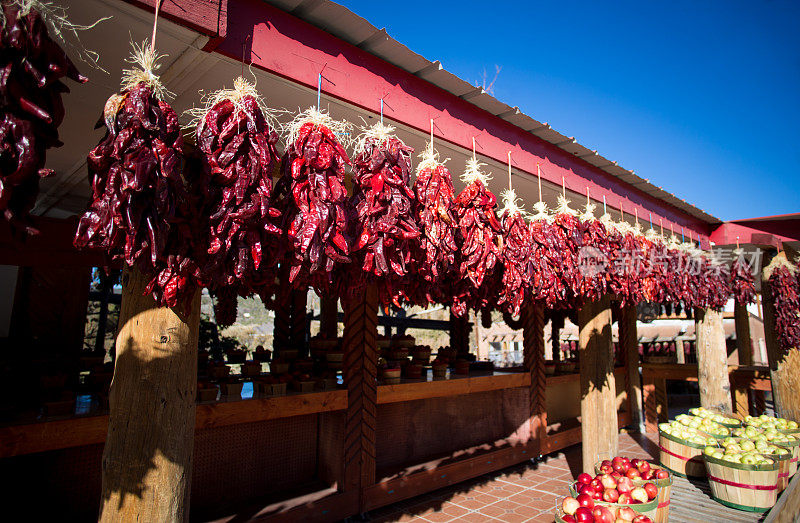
619,465
624,498
642,519
602,515
633,473
606,467
584,515
662,474
616,475
647,476
585,500
608,482
643,466
570,505
639,494
611,495
568,519
635,462
651,489
626,514
585,489
584,478
625,485
598,495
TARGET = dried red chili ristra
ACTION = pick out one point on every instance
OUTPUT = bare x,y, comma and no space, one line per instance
742,281
436,248
31,110
593,255
480,237
141,211
514,256
239,159
383,225
544,282
784,289
312,197
565,243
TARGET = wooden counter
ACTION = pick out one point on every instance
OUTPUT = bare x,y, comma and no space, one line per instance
455,385
88,430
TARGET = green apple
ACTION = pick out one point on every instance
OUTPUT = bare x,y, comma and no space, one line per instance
747,445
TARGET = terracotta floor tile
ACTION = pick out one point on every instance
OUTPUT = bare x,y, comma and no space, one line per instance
474,517
521,497
475,504
492,511
512,517
439,517
544,517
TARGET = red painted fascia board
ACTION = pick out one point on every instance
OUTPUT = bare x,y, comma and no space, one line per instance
729,233
208,17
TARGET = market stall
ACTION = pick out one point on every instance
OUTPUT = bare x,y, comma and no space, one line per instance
256,202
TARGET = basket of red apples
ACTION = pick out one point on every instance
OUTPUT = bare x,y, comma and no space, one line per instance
584,509
641,472
616,491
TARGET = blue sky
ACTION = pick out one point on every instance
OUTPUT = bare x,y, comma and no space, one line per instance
701,97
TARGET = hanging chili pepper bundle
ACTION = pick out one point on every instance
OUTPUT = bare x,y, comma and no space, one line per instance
313,199
514,256
743,285
432,211
784,289
140,210
543,273
593,255
480,237
564,246
31,110
236,134
384,226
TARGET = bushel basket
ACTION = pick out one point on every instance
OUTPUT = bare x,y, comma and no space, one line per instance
647,509
680,456
753,488
664,491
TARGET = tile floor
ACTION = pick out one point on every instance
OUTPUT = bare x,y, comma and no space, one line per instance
523,493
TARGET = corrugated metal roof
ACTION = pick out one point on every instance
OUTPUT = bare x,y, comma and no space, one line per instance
348,26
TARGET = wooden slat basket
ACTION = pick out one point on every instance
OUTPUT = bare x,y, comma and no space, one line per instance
681,457
795,448
753,488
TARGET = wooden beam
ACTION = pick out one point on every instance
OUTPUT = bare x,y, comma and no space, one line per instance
599,424
360,378
455,386
533,356
712,361
147,461
744,344
629,342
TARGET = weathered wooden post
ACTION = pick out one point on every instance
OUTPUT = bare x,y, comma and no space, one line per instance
784,362
744,345
629,340
599,425
360,378
329,320
147,461
712,361
533,356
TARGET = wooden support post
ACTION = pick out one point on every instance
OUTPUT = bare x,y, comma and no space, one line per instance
297,322
744,345
533,355
147,461
784,363
680,352
556,324
712,361
459,335
360,378
329,312
629,340
599,429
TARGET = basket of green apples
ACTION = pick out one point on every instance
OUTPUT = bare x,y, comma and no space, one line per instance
781,455
769,422
742,479
718,417
680,448
791,442
707,425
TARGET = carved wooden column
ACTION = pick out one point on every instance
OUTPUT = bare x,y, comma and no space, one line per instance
629,340
360,377
533,354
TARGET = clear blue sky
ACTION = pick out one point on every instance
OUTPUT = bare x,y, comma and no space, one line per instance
701,97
